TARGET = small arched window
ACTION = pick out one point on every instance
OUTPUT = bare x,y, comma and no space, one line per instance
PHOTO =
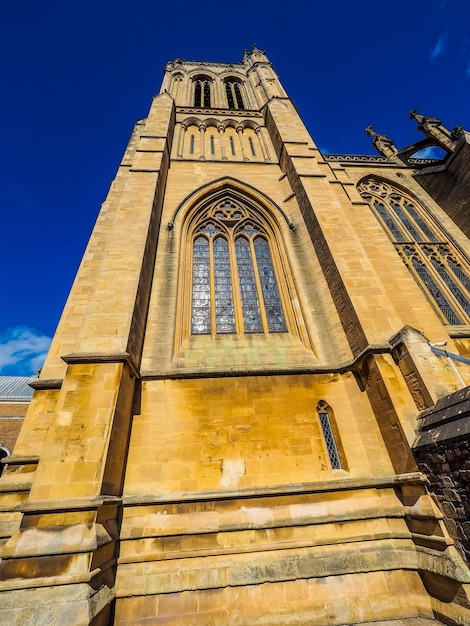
434,262
234,277
202,92
176,82
234,94
332,441
4,452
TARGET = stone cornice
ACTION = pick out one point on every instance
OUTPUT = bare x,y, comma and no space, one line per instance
219,112
90,358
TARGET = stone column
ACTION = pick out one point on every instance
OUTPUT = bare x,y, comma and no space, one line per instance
262,142
202,132
221,130
182,132
240,133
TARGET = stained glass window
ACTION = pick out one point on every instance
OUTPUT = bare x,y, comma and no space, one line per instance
389,221
460,274
429,254
272,303
248,290
224,312
234,283
201,287
450,282
435,292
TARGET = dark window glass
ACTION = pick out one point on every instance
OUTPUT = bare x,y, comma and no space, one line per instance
252,146
232,146
197,94
430,236
444,279
450,282
441,301
405,220
207,94
396,233
238,95
228,91
459,272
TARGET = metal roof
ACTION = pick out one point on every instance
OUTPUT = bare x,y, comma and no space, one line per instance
16,388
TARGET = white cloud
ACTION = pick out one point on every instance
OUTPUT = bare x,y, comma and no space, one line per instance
439,47
431,152
22,351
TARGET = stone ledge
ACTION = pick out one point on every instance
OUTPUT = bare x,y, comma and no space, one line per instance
342,484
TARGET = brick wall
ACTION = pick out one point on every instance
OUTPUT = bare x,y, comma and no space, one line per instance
442,451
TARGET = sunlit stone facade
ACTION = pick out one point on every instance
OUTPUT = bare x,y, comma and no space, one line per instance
223,430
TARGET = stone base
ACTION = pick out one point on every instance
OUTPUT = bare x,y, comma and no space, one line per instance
70,605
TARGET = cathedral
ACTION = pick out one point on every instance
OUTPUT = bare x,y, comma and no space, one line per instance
255,408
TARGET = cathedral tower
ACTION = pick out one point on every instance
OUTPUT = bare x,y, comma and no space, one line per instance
222,432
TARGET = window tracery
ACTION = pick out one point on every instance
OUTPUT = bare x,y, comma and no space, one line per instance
433,261
235,273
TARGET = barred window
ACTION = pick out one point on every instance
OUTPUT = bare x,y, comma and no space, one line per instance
435,263
235,276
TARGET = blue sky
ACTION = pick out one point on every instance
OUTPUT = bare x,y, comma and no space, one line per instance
77,75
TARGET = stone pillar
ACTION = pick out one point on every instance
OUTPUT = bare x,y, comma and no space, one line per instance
240,133
61,520
202,132
221,130
182,132
260,131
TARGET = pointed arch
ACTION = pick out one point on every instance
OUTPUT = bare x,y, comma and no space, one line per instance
331,436
438,267
234,276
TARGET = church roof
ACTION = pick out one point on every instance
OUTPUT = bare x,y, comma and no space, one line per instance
16,388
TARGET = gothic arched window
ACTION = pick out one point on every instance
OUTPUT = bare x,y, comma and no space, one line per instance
234,273
234,94
331,439
202,92
432,259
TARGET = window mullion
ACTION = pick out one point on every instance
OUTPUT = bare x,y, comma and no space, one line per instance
447,289
264,319
439,283
212,286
